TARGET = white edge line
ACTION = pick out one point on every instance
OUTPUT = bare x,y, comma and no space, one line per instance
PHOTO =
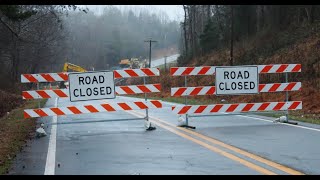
255,118
282,123
51,155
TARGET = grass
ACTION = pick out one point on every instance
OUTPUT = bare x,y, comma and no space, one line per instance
178,100
171,64
14,132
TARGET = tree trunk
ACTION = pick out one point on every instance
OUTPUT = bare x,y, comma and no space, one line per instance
248,24
15,59
311,14
185,30
231,39
190,29
208,13
299,14
203,18
218,19
194,33
258,11
308,14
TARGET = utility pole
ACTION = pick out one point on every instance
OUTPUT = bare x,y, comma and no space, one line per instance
148,125
150,42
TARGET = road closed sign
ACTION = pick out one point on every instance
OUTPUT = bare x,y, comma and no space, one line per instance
91,86
236,80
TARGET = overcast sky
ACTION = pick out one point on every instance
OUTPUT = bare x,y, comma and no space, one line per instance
175,12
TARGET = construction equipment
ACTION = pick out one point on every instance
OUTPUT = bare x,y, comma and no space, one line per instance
133,63
73,67
125,63
68,66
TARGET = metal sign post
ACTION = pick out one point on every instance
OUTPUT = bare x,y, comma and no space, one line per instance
185,98
148,124
145,98
186,103
287,99
39,100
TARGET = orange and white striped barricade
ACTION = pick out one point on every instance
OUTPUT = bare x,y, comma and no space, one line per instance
94,108
63,76
64,93
239,107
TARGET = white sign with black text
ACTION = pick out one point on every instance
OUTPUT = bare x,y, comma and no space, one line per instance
91,86
236,80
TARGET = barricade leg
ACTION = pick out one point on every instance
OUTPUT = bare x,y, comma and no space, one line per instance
147,123
287,99
38,100
186,103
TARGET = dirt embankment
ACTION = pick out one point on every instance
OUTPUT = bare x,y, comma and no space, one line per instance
305,51
14,129
8,102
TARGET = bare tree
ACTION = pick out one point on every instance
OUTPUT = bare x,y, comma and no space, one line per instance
185,8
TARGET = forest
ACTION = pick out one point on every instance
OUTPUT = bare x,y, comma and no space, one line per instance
41,38
207,28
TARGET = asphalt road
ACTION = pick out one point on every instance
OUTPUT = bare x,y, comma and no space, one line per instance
117,144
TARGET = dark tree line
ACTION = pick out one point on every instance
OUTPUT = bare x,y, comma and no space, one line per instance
30,38
36,38
102,41
211,27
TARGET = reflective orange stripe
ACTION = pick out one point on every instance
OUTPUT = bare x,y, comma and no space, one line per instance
26,115
40,112
43,94
60,93
74,110
124,106
57,111
26,95
91,108
108,107
282,68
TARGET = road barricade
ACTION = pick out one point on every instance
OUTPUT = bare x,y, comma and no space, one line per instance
94,108
237,107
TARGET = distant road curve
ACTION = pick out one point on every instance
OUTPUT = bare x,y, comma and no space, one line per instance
158,62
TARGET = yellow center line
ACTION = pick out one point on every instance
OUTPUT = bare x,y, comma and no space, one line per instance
214,149
237,150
